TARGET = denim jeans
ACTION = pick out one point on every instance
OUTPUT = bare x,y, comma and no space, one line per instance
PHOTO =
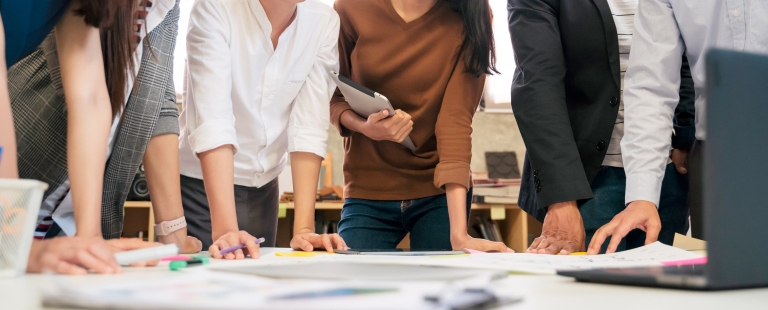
375,224
608,189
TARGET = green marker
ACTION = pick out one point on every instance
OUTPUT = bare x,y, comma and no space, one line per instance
181,264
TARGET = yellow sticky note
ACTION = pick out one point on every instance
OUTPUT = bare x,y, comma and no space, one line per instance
579,253
498,212
282,209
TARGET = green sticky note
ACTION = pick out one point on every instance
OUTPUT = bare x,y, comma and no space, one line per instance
282,210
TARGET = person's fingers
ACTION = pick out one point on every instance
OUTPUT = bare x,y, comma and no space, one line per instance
552,249
569,248
401,133
130,244
652,232
376,117
191,245
223,244
339,242
327,243
214,251
239,254
543,245
63,267
252,247
86,259
305,245
501,247
599,237
101,252
618,234
535,244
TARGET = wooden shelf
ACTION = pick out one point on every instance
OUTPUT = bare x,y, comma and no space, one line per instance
151,221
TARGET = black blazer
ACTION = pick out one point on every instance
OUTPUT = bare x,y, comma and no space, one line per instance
565,95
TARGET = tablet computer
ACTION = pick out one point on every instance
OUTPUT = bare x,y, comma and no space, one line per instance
365,101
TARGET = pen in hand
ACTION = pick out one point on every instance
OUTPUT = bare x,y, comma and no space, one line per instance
239,246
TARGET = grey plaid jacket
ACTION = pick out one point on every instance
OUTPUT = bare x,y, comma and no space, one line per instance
40,118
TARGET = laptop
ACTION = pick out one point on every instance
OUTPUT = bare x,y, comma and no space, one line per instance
735,185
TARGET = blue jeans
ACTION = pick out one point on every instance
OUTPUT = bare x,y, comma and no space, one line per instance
608,189
375,224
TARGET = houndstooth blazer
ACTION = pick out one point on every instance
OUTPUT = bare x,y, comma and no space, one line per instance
40,118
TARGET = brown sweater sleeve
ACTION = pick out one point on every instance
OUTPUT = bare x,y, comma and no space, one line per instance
339,105
454,127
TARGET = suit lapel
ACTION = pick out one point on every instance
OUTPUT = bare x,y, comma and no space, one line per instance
611,39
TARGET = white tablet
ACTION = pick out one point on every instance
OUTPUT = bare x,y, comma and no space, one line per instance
365,101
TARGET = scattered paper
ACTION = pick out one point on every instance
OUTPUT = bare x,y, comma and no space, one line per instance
650,255
686,262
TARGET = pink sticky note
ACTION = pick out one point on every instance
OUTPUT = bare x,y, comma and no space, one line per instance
172,258
471,251
685,262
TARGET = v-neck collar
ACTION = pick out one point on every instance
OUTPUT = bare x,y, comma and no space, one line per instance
266,25
408,25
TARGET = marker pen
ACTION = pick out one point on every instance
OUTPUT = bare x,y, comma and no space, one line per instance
135,256
181,264
239,246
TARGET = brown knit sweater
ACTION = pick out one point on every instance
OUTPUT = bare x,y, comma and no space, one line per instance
417,66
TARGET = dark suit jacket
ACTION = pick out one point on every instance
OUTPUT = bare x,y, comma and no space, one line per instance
565,95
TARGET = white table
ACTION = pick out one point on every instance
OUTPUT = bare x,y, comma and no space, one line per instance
539,292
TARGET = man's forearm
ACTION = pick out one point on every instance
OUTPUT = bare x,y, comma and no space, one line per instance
305,169
219,179
352,121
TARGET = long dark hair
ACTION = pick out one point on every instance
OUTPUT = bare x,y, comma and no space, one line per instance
478,48
115,19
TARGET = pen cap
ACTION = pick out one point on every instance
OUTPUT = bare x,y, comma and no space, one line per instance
178,264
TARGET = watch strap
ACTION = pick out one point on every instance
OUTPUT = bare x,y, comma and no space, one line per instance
167,227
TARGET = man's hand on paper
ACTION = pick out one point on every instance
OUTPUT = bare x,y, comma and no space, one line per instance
467,242
235,238
186,244
309,241
680,159
638,215
562,232
396,128
77,255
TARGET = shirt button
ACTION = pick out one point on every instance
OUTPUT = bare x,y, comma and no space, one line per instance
614,101
736,13
600,146
535,173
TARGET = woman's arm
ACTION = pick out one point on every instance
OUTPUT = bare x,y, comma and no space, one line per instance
8,168
89,117
161,164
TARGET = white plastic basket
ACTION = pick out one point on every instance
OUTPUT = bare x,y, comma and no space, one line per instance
19,204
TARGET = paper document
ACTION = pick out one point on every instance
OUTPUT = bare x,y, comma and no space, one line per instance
650,255
204,289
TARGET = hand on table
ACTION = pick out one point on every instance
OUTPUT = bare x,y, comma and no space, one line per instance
638,215
467,242
562,232
235,238
186,244
77,255
680,159
396,128
310,241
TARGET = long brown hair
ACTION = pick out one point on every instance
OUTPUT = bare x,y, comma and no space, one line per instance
479,47
115,19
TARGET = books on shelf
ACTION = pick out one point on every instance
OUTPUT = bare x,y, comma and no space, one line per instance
487,228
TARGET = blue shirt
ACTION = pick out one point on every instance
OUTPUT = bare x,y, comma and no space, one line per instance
27,23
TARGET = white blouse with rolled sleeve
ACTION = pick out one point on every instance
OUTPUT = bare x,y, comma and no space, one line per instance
240,91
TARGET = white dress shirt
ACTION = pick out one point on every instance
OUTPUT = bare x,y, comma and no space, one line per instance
58,205
664,30
240,91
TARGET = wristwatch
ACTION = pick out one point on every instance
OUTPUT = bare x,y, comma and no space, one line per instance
167,227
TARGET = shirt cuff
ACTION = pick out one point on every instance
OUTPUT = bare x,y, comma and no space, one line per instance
452,172
307,139
643,186
213,134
